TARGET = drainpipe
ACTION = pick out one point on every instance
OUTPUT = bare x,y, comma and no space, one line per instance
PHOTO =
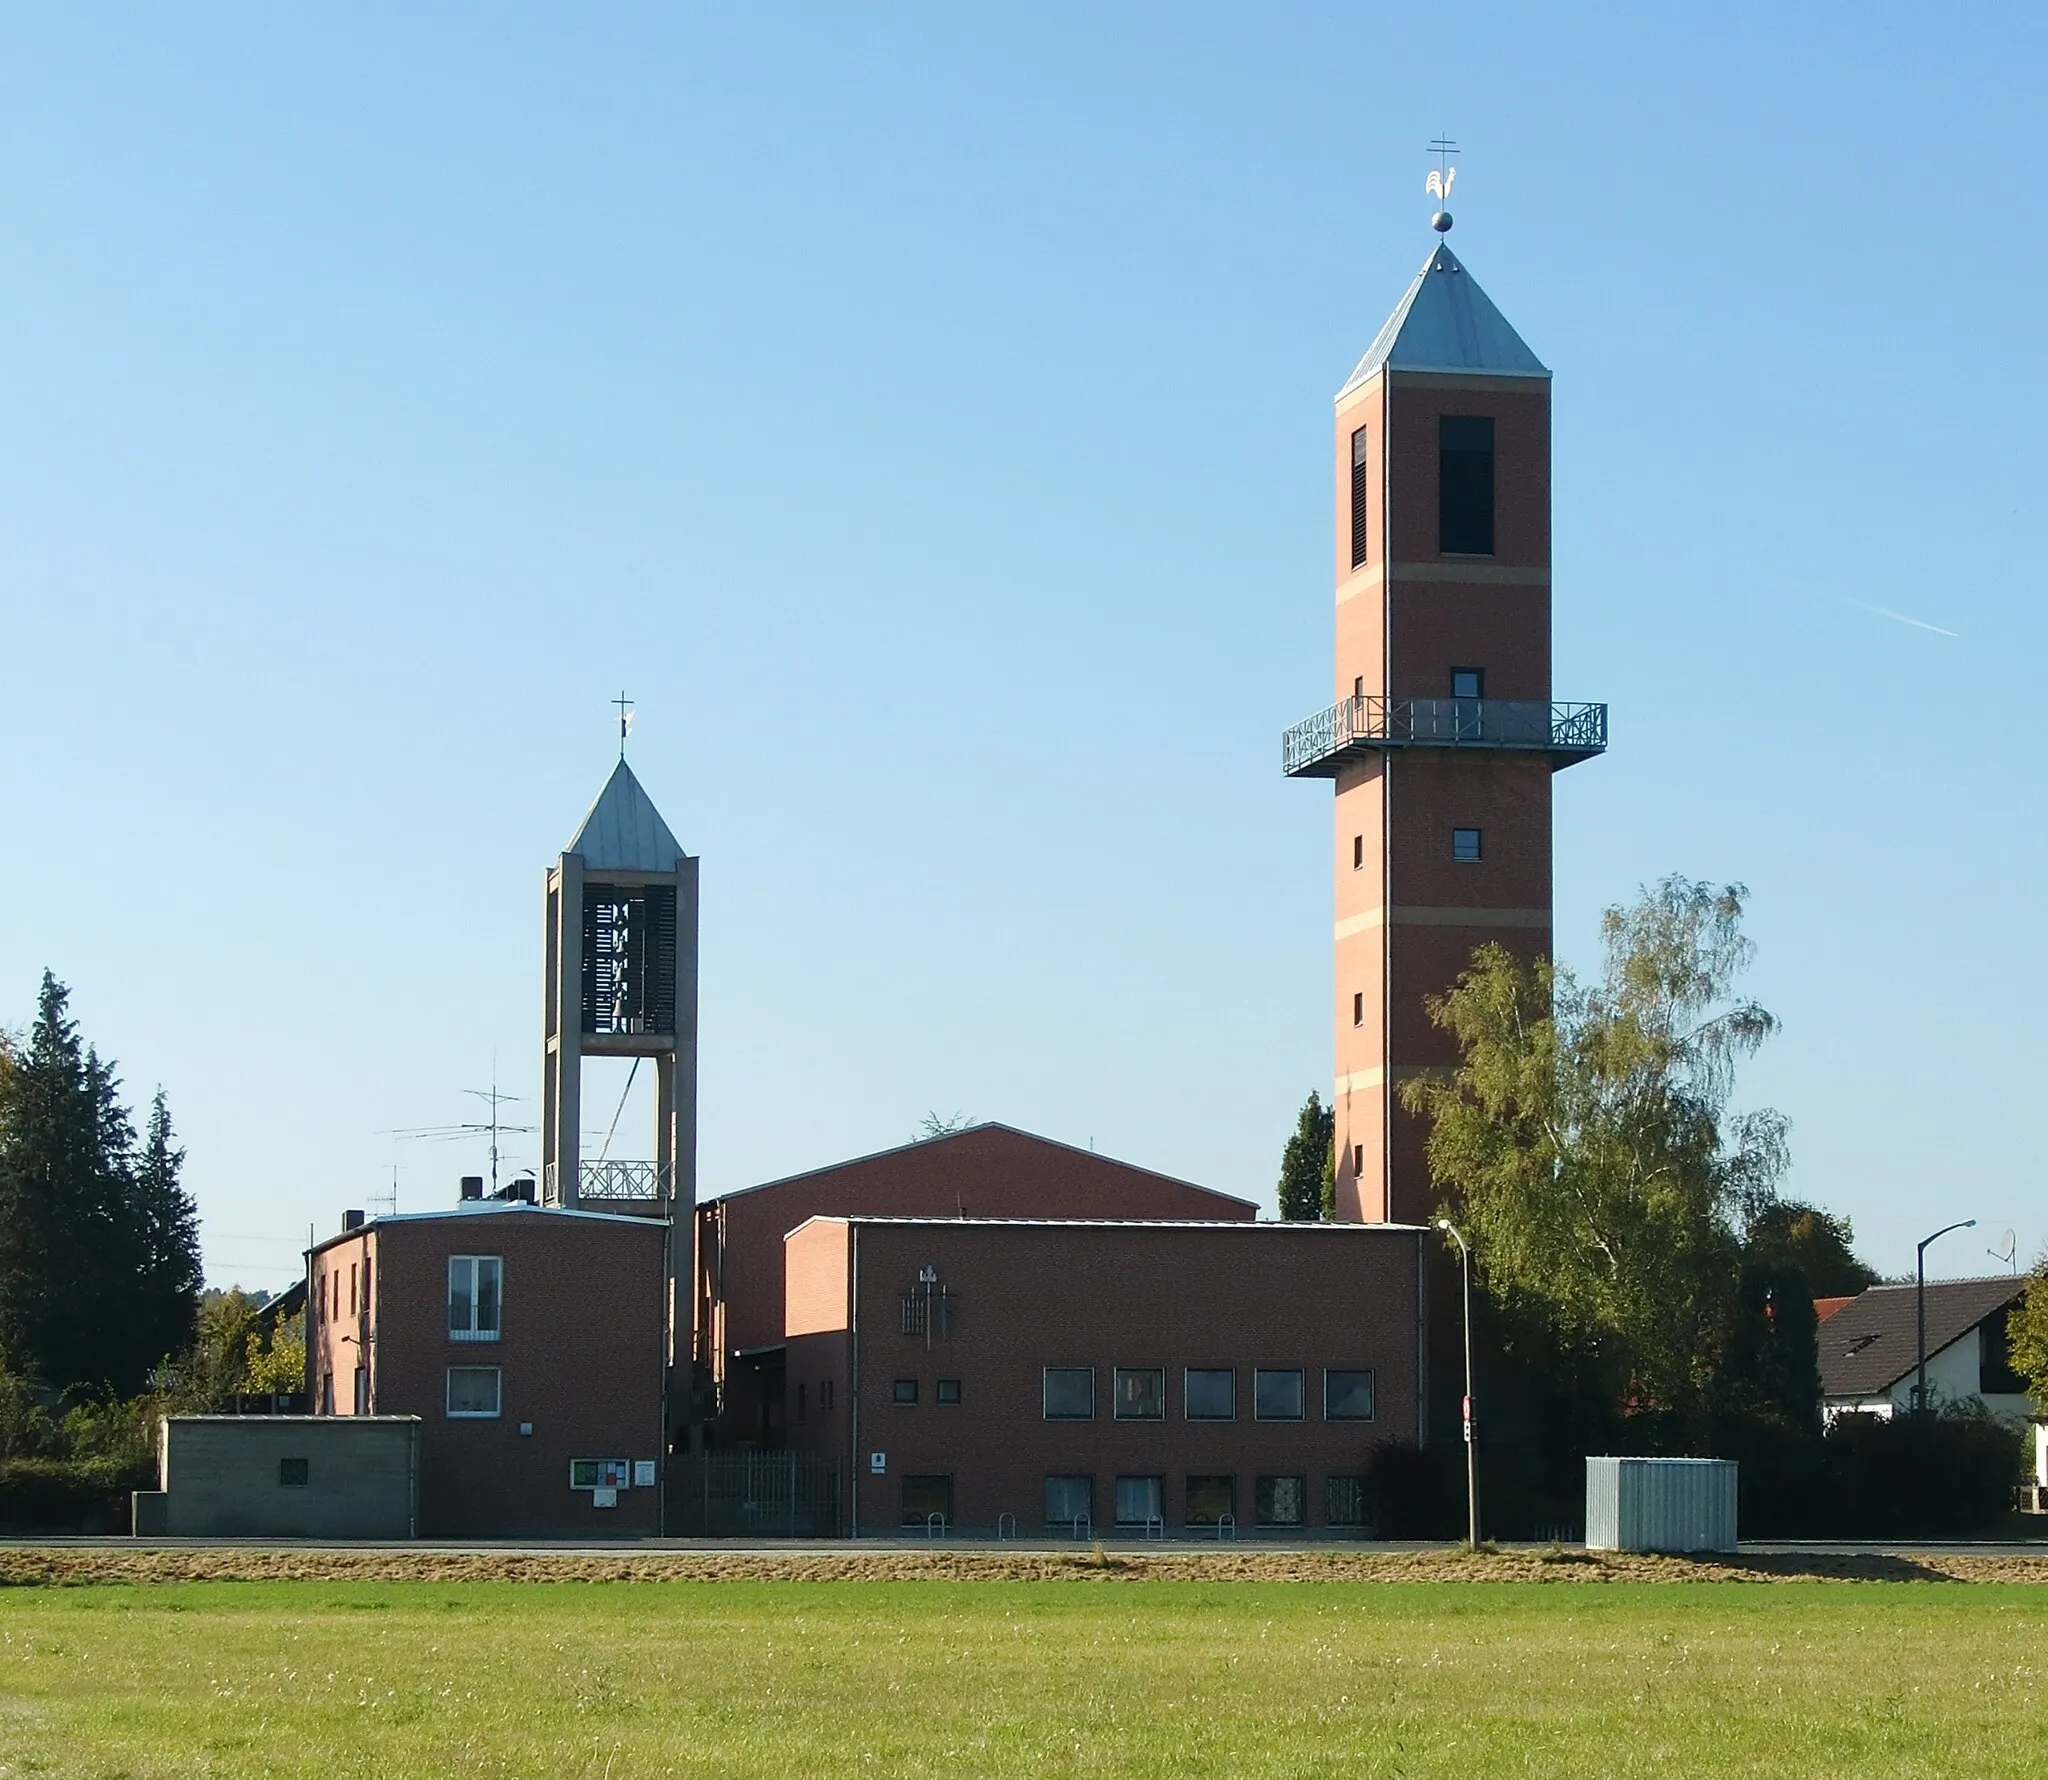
853,1387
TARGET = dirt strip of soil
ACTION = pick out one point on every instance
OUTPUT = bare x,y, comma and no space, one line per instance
72,1566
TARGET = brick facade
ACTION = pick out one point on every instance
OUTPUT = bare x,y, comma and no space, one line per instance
1004,1301
579,1354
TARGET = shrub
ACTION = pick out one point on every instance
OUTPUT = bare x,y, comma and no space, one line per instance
69,1495
1918,1476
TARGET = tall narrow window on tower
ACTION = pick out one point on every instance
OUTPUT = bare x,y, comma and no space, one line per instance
1360,513
1464,485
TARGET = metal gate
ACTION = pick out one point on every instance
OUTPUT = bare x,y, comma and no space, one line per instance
757,1495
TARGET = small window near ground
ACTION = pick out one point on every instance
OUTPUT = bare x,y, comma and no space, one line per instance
1347,1395
475,1297
1465,845
1281,1501
293,1474
1069,1393
1467,683
1140,1394
947,1390
906,1390
1211,1394
1210,1500
472,1391
1138,1499
1068,1500
1276,1395
1346,1502
926,1497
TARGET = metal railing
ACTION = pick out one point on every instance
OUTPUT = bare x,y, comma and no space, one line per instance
615,1183
1369,722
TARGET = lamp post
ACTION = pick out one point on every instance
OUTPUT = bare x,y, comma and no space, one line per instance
1471,1430
1920,1309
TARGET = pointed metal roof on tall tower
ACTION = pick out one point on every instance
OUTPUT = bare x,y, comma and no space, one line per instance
624,831
1445,322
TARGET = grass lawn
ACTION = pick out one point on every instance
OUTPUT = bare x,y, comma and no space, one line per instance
1063,1678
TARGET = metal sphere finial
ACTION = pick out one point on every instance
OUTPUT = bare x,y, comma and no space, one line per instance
1441,222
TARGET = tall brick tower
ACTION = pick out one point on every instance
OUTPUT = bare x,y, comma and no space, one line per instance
1444,737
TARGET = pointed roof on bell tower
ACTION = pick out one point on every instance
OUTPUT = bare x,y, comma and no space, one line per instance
624,831
1445,322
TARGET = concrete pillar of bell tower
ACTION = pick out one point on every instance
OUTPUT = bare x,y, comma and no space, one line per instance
562,1059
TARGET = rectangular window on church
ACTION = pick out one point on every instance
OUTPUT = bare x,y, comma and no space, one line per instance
1464,485
1361,482
1465,845
1467,683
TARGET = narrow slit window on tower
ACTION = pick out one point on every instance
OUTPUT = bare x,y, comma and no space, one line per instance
1358,1008
1358,852
1465,845
1464,461
1358,687
1360,484
1357,1160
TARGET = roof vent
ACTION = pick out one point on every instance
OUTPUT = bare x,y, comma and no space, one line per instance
521,1190
472,1186
351,1220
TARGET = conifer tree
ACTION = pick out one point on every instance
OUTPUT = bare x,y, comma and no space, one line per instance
1301,1162
167,1232
81,1237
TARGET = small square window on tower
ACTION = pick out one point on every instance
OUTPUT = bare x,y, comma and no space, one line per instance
1358,1008
1465,845
1361,483
1468,683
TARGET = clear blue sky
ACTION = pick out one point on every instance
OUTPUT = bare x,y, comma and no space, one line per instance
924,414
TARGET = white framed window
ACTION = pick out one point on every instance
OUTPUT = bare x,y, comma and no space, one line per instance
1140,1393
476,1297
1277,1394
1209,1394
1069,1393
473,1392
1347,1394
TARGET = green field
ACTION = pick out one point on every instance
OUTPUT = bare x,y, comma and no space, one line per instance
1150,1678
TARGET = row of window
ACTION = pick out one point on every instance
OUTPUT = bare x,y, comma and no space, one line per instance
1208,1393
1203,1500
1464,488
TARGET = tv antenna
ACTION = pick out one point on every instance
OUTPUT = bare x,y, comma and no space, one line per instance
493,1128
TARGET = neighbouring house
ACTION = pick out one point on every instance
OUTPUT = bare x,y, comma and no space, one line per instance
1869,1348
984,1172
531,1343
1065,1376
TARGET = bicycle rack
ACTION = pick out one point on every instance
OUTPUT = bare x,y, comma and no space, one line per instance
935,1525
1006,1526
1155,1528
1226,1527
1084,1528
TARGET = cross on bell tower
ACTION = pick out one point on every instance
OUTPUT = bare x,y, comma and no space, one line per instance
1444,737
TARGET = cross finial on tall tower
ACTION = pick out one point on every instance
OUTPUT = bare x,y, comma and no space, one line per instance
625,705
1438,184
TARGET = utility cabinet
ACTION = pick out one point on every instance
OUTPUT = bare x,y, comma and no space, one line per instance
1660,1504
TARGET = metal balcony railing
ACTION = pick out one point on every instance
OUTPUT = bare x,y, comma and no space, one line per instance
1314,748
611,1183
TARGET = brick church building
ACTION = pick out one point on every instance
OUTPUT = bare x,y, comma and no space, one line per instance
992,1330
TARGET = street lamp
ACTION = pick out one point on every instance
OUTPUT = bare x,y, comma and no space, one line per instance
1471,1443
1920,1309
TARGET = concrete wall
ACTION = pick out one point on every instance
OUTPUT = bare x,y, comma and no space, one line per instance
222,1476
1027,1296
